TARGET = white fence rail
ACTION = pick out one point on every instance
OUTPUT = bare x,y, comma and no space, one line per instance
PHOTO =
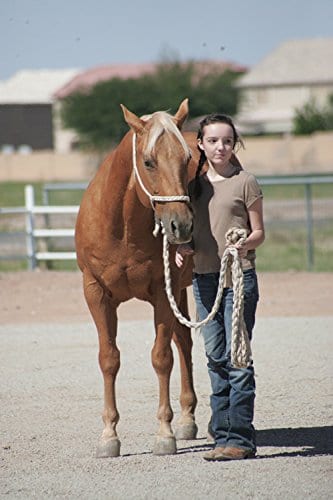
32,233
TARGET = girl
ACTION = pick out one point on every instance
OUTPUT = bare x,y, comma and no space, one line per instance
225,196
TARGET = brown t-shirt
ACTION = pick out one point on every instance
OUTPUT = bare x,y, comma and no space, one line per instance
223,204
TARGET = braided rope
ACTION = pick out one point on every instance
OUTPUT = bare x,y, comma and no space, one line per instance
240,344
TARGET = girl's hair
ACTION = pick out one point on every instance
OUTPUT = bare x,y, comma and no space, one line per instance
208,120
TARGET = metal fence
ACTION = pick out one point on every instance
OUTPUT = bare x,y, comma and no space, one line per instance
44,224
292,215
32,233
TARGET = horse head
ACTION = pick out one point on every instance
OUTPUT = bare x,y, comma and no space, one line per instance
160,161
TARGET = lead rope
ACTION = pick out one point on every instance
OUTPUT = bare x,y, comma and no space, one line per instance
241,356
240,345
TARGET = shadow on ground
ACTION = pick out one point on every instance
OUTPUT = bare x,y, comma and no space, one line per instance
311,441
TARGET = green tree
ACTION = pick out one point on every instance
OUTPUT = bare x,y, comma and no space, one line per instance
312,118
97,118
215,92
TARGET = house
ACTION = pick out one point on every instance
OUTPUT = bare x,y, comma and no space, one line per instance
26,109
294,73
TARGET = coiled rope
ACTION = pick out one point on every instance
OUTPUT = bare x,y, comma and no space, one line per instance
241,355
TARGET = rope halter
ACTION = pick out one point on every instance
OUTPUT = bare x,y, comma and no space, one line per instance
153,198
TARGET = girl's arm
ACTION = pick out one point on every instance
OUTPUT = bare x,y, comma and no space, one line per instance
257,235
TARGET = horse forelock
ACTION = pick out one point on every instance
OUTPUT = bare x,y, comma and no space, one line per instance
162,122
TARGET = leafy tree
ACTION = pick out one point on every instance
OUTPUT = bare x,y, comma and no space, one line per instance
311,118
215,92
97,117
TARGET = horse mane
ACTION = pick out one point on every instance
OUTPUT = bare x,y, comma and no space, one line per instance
162,122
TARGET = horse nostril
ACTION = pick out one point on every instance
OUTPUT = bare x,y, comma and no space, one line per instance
174,227
183,231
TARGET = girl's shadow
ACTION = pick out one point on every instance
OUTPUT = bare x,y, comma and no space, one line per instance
312,441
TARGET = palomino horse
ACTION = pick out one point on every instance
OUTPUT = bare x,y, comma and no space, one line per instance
143,180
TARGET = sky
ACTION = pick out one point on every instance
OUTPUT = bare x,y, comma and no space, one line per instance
63,34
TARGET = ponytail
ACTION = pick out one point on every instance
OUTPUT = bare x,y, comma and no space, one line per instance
197,186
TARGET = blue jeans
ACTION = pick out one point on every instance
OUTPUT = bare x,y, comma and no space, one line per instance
233,389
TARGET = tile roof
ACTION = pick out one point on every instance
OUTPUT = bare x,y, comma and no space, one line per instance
87,79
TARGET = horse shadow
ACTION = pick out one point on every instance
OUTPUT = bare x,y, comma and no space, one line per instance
311,441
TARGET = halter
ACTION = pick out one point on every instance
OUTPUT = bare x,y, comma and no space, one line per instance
153,198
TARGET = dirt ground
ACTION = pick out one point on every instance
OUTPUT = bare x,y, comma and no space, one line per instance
46,296
51,399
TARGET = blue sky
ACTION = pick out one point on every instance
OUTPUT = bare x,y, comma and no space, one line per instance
56,34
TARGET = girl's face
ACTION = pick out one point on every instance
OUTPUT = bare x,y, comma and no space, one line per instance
217,142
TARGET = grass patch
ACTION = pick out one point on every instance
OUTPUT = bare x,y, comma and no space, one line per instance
12,195
13,265
286,249
292,192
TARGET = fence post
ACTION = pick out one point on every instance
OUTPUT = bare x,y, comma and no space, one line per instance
29,226
309,224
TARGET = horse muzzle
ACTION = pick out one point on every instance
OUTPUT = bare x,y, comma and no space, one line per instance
178,228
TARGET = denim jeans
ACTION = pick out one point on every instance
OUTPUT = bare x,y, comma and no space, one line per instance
233,389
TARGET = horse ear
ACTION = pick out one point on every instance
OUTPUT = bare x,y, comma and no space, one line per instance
182,113
132,120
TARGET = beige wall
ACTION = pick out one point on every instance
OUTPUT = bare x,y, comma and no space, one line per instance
47,166
262,156
289,155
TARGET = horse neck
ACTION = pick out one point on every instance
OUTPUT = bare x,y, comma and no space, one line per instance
121,182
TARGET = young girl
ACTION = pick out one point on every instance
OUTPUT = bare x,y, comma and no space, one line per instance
225,196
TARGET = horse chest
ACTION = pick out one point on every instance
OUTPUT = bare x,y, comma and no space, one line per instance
132,279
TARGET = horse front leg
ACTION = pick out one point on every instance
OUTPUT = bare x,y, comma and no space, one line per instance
105,318
162,361
186,426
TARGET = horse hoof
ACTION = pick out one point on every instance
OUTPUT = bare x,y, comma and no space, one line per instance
165,446
107,449
186,431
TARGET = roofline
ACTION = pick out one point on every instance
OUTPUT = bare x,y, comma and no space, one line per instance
302,83
26,103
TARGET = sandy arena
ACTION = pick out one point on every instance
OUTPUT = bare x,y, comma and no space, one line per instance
51,398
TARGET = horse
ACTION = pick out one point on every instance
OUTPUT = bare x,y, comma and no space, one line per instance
143,180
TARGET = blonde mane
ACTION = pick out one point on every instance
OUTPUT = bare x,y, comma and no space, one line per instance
163,123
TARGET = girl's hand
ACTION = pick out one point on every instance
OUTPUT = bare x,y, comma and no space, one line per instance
182,251
242,249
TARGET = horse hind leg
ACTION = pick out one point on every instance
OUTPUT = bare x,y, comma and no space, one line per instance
105,318
186,427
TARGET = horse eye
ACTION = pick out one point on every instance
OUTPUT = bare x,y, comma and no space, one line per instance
148,164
